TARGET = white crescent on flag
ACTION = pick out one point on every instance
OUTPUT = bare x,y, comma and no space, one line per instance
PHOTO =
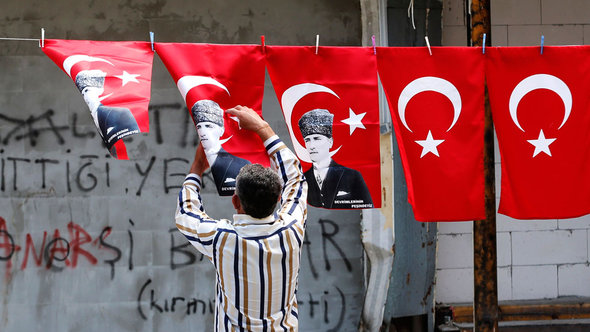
429,83
540,81
70,61
288,100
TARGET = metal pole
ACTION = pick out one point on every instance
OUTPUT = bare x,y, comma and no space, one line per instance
485,279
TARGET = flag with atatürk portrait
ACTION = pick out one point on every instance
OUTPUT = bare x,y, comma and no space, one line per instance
541,109
329,98
114,79
211,79
437,106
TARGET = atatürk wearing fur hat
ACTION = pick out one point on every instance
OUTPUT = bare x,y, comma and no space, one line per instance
90,78
317,121
207,111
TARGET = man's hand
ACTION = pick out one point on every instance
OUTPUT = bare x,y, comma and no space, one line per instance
250,120
200,164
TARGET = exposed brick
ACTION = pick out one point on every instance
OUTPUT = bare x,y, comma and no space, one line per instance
499,36
454,285
506,12
454,251
454,36
574,280
507,224
504,249
534,282
504,283
454,12
565,11
549,247
574,223
530,35
455,227
586,34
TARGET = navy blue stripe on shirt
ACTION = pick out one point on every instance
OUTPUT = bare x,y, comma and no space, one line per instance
183,211
284,279
294,314
193,179
215,240
195,239
296,200
296,236
237,281
273,143
282,167
261,275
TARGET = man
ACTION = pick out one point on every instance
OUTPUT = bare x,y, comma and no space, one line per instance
256,256
208,118
113,123
331,185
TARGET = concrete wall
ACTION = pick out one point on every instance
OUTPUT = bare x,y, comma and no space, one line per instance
127,268
537,259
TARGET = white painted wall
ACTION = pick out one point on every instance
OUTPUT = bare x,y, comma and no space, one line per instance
537,259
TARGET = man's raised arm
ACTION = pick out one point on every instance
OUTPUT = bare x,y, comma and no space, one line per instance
283,161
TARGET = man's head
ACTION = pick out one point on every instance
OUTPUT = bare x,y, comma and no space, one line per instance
208,117
91,84
258,190
316,128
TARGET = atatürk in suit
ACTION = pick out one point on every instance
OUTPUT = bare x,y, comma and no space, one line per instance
225,169
115,123
343,188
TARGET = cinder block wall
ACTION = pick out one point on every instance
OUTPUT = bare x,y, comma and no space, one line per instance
537,259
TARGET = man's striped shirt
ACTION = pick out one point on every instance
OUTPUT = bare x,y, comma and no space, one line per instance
256,260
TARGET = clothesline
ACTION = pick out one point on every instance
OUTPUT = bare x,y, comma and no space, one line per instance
23,39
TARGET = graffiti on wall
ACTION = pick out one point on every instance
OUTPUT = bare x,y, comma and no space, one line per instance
68,244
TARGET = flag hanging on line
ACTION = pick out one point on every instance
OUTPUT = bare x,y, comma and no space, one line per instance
114,79
212,79
437,106
330,104
541,109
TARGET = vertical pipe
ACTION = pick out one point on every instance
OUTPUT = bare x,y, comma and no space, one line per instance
485,279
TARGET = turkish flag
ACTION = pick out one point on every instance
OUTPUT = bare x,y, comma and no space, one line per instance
212,79
541,109
437,106
114,79
330,102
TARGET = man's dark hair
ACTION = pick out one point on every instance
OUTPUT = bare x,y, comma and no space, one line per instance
258,189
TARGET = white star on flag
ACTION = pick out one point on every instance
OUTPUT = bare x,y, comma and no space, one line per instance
541,144
354,120
126,78
429,145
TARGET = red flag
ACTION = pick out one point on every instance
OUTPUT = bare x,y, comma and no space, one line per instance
436,102
115,80
330,104
541,110
212,79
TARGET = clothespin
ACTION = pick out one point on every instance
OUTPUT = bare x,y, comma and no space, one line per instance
483,45
542,43
152,40
317,43
263,44
428,44
411,13
42,41
374,48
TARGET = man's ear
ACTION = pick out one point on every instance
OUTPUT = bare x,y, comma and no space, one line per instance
236,202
